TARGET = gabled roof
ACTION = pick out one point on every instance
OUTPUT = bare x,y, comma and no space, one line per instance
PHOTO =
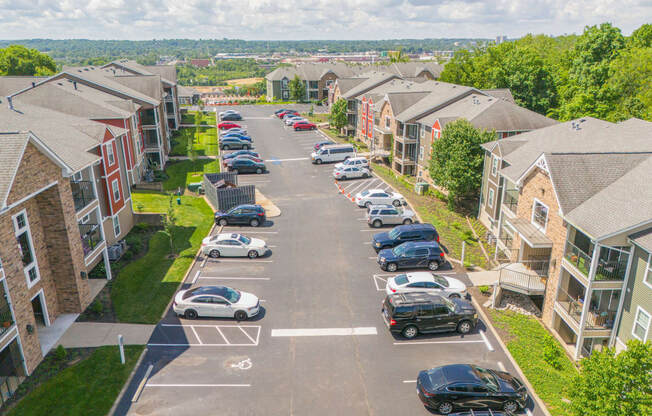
12,147
186,91
12,84
168,73
373,80
312,71
410,69
442,94
502,93
643,239
346,84
402,100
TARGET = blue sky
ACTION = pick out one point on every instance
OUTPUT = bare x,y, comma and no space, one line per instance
310,19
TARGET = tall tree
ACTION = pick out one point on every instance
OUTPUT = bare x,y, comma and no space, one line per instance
18,60
297,89
398,56
642,37
614,384
337,117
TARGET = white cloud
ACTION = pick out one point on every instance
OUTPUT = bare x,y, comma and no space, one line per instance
310,19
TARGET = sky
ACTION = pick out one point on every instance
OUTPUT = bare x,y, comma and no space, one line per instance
311,19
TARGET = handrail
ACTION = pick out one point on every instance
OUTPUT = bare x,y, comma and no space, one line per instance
572,307
577,257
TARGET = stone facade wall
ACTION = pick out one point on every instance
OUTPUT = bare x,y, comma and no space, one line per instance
322,84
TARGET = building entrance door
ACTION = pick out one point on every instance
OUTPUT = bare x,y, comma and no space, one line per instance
39,311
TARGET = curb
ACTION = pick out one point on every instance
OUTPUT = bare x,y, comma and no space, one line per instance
117,401
531,390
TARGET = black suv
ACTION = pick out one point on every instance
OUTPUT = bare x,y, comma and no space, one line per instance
247,166
413,254
253,215
412,313
402,233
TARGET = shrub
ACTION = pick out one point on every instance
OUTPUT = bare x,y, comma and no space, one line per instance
141,227
552,354
467,235
484,289
60,353
98,272
135,243
140,207
97,307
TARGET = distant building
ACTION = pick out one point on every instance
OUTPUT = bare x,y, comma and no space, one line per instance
500,39
201,63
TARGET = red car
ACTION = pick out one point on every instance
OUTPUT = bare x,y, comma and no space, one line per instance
284,113
226,125
304,125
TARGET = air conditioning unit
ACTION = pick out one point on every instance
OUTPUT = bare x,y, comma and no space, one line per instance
115,252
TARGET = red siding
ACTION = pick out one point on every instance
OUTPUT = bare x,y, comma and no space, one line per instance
114,205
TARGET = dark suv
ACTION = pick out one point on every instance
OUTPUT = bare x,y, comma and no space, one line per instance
253,215
247,166
413,254
412,313
402,233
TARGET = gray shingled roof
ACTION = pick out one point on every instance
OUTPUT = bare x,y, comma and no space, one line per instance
502,93
312,71
345,84
409,69
186,91
643,239
373,80
13,84
168,73
12,146
442,94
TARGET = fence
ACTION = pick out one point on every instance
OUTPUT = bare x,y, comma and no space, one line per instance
224,199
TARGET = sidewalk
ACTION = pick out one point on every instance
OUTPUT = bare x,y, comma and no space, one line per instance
96,334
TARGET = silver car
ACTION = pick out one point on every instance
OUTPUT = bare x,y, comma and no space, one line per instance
379,215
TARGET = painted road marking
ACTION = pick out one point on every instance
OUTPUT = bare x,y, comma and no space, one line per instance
142,384
234,278
287,160
438,342
486,341
219,328
194,279
222,334
409,381
196,335
320,332
373,258
501,366
249,232
252,261
380,283
369,230
197,385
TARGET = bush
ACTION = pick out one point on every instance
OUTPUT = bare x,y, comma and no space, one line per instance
141,227
467,235
97,307
552,354
98,272
135,243
60,353
484,289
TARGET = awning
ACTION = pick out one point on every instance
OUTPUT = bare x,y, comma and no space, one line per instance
528,232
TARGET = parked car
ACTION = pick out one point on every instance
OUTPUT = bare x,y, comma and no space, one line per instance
304,125
332,153
351,172
467,386
378,196
281,110
447,287
285,113
246,166
411,314
247,214
216,301
413,254
321,144
221,113
379,215
234,116
402,233
234,143
354,161
239,153
237,130
292,119
288,115
229,162
233,245
226,125
238,135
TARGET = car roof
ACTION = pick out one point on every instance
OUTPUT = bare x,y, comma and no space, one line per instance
431,244
337,146
250,206
377,190
419,277
415,297
380,206
460,373
209,290
227,236
416,227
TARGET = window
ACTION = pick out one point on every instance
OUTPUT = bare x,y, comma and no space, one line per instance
539,215
115,189
421,150
24,240
641,324
441,310
77,176
286,95
110,156
284,83
116,226
648,272
494,165
490,198
425,310
423,131
387,122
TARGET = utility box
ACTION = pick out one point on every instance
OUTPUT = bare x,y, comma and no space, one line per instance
421,188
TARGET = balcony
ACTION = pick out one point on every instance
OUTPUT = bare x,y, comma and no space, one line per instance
147,118
91,237
612,262
511,199
406,140
82,194
571,304
578,258
6,320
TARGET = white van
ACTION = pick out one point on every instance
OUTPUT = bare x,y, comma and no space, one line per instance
332,153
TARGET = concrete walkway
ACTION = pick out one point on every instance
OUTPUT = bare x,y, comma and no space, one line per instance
96,334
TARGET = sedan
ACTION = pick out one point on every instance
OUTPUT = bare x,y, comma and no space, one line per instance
221,113
234,143
238,130
281,110
426,282
246,166
292,121
215,301
287,113
378,196
231,117
350,173
321,144
304,125
227,125
465,386
253,215
240,136
233,245
239,153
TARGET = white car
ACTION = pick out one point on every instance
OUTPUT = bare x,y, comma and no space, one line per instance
353,161
291,120
379,215
238,130
370,197
217,302
447,287
233,245
350,173
223,113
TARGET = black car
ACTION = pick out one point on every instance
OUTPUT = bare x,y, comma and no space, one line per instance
402,233
412,313
253,215
234,143
239,153
247,166
413,254
282,110
466,386
231,117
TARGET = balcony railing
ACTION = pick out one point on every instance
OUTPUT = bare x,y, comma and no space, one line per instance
147,118
612,264
91,237
6,320
82,194
511,199
571,305
578,258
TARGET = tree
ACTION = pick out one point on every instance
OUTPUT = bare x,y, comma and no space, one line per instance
297,89
614,385
642,37
457,157
169,222
337,117
628,87
18,60
398,56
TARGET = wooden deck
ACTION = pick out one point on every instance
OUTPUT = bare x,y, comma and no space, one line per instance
518,278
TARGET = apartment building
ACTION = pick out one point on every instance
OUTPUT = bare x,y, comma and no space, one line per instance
317,78
570,207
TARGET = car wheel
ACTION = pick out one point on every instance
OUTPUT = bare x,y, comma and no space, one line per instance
236,171
365,175
396,203
245,147
378,223
318,161
313,128
510,406
225,147
252,254
407,221
464,327
391,267
259,171
254,223
214,254
343,178
223,222
433,265
445,408
454,296
367,204
190,314
240,316
410,332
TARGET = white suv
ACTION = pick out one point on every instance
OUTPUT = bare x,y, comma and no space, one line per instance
379,215
378,196
426,282
358,162
350,172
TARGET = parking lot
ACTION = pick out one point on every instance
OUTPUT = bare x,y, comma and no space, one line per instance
319,345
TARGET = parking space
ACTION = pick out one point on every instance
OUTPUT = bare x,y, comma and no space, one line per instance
320,345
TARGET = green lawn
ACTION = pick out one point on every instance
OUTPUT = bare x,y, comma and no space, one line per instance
181,173
193,117
525,341
451,226
88,388
204,141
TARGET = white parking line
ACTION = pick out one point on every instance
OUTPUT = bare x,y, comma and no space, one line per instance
218,328
383,283
287,160
438,342
234,278
372,258
248,336
409,381
320,332
251,261
197,385
369,230
196,335
367,243
222,334
486,341
501,366
194,279
249,232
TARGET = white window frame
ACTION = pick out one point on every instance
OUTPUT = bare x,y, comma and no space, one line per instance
420,152
494,165
110,154
388,122
116,224
640,310
545,226
115,186
34,264
491,194
648,272
77,176
423,131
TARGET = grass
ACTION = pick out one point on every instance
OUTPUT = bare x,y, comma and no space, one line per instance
204,141
87,388
181,173
451,226
191,117
525,338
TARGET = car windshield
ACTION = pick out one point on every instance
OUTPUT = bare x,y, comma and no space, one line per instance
364,193
440,280
401,279
232,295
400,250
487,377
394,233
244,239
